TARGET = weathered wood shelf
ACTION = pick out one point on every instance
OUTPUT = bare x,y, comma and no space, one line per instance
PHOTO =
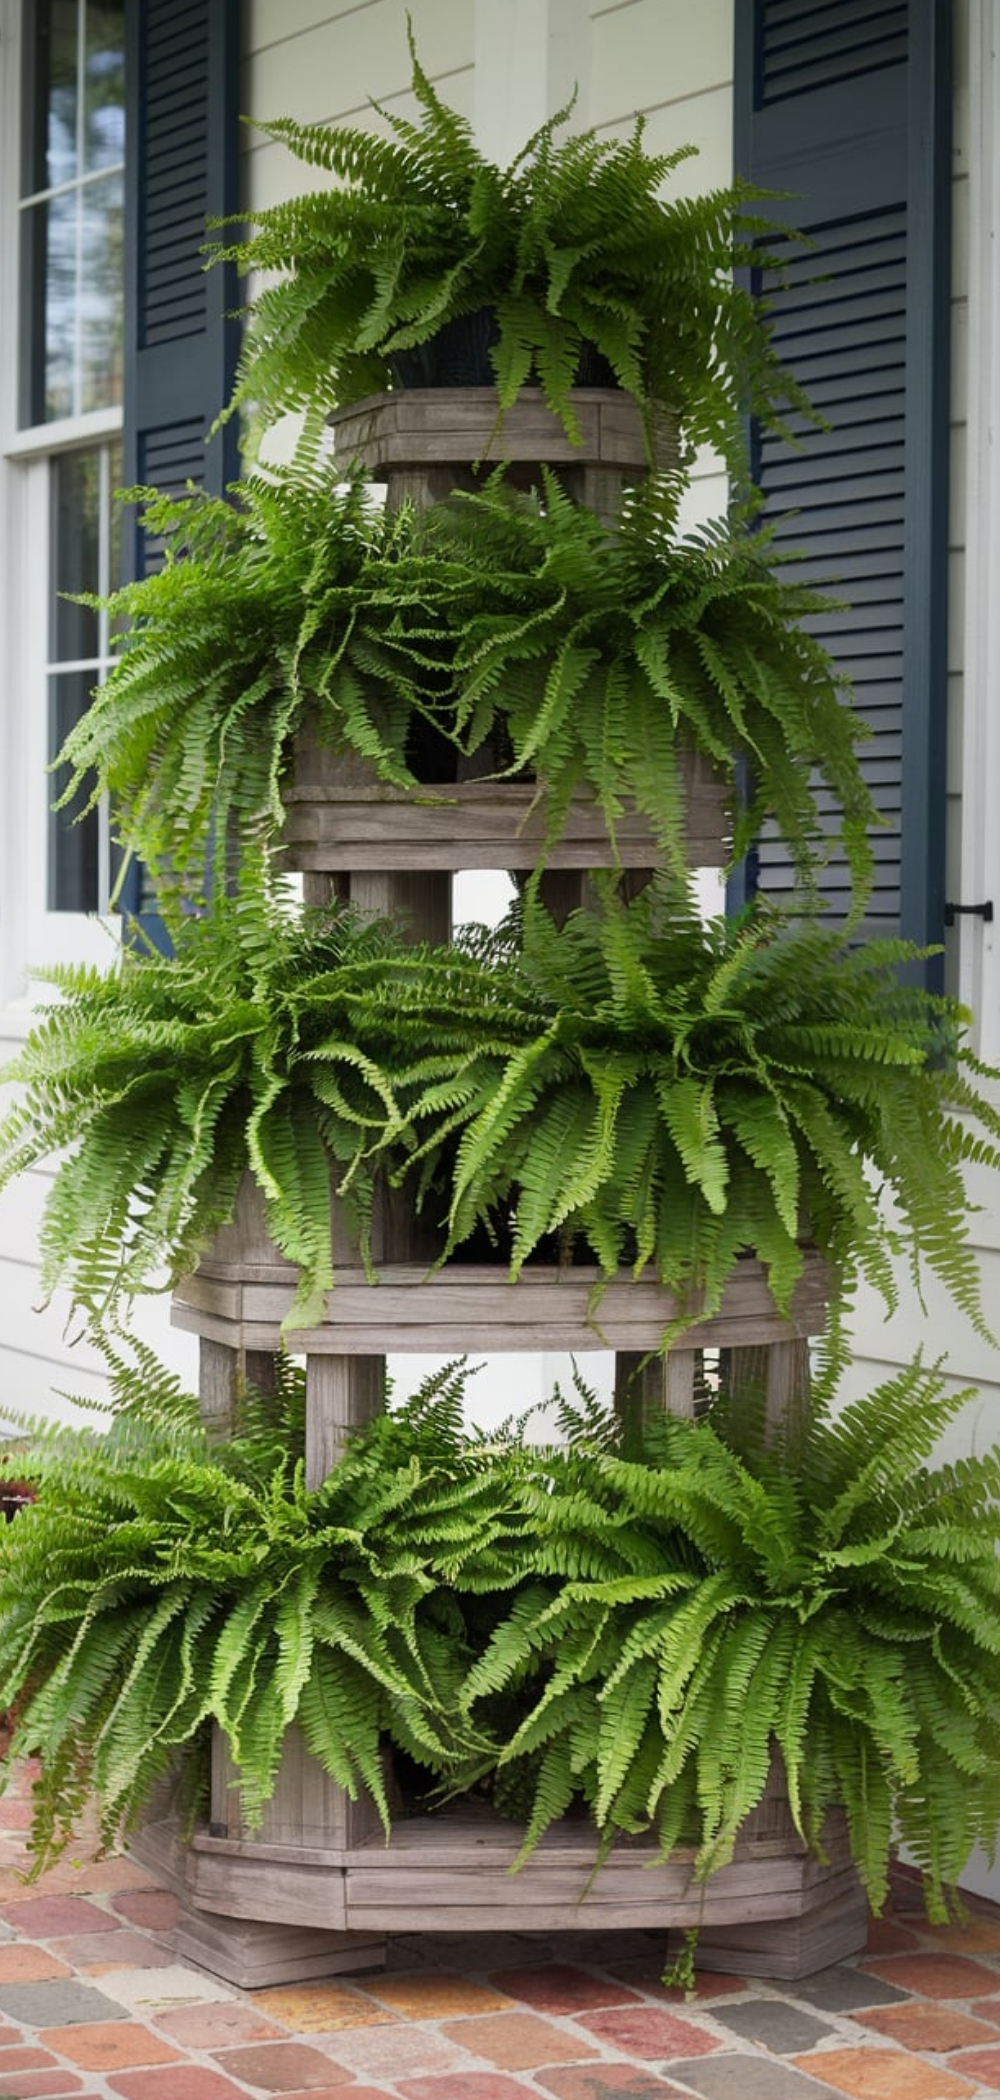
337,822
473,1307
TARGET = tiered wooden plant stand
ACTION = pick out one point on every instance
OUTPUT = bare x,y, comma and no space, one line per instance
341,820
316,1889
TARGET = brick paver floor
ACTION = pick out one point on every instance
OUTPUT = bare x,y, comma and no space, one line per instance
96,2004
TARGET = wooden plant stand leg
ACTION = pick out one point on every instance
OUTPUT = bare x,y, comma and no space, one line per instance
834,1926
830,1930
646,1386
787,1948
343,1393
308,1811
420,904
255,1955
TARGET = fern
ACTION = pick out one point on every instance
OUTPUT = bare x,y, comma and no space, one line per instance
495,623
265,613
166,1582
570,246
807,1615
637,1086
555,1627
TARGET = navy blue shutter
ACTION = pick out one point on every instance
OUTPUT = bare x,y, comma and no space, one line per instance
181,339
182,108
845,104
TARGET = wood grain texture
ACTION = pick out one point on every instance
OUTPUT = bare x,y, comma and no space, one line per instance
649,1386
441,426
471,1307
343,1394
456,1872
307,1809
336,822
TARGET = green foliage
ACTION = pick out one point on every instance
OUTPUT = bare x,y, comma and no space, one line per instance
832,1599
677,1093
572,244
552,1626
165,1582
172,1077
278,607
604,655
662,1093
495,620
656,1633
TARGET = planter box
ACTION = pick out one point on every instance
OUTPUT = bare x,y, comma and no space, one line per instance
339,818
460,426
426,441
315,1890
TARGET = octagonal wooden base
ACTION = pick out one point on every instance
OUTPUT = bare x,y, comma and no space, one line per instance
313,1910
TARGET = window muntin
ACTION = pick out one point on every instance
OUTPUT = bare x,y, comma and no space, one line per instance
71,210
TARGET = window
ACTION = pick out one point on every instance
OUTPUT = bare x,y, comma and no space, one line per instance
69,391
71,209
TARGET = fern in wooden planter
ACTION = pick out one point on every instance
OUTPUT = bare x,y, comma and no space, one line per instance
830,1597
587,661
669,1094
638,1640
571,248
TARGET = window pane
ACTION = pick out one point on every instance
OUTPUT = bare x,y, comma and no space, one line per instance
71,276
48,254
72,243
73,848
75,554
104,85
101,293
51,97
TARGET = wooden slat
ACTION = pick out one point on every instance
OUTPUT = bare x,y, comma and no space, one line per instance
437,426
343,1394
255,1954
460,1308
787,1948
335,821
458,1873
307,1809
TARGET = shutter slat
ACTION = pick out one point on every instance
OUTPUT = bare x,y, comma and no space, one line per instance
183,168
803,49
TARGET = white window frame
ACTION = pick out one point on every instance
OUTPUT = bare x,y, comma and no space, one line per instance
31,935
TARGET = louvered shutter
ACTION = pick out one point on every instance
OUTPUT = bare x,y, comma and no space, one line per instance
181,340
844,104
182,105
